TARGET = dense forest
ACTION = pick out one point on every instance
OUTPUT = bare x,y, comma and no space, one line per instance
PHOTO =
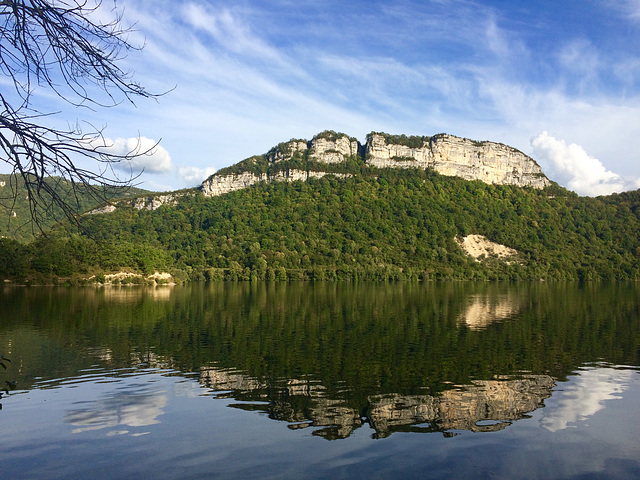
375,225
18,216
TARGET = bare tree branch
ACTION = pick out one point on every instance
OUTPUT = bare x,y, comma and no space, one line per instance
59,45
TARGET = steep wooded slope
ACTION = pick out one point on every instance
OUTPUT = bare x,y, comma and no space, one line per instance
387,224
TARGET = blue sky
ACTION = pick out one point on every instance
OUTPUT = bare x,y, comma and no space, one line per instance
559,80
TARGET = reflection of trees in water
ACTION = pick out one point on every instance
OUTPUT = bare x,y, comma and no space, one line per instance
305,403
345,342
8,384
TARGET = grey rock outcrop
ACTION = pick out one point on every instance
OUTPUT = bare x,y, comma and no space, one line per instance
151,202
333,149
446,154
154,202
486,161
219,185
326,147
453,156
288,151
383,154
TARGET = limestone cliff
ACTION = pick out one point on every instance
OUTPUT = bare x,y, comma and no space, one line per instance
333,148
220,184
486,161
448,155
386,151
149,202
453,156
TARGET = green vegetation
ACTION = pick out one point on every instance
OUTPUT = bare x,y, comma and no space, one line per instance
17,220
374,225
333,136
411,141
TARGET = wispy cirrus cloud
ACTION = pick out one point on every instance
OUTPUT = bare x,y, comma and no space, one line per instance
248,76
629,9
230,31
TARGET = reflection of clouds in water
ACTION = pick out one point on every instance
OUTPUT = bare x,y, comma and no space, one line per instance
187,388
584,396
484,310
128,407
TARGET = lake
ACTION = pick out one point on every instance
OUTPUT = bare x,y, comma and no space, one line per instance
324,380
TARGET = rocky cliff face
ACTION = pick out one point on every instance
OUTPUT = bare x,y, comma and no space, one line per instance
386,154
453,156
218,185
326,147
486,161
448,155
151,202
288,151
333,149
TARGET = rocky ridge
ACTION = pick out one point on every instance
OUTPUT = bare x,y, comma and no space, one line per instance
147,202
221,184
489,162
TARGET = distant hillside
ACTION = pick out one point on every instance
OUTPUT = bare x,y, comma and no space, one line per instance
16,219
396,208
372,224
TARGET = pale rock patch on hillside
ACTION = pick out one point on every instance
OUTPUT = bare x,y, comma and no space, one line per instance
478,246
122,278
161,277
148,202
220,184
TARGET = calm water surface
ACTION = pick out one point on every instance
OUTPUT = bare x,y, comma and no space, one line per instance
322,381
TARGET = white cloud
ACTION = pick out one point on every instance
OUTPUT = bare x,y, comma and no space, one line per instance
195,174
122,408
580,56
229,31
248,77
627,8
145,154
582,173
585,396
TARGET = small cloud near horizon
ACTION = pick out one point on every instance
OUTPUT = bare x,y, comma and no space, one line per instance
147,154
195,174
576,169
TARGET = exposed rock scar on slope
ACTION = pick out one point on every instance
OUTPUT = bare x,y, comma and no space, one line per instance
479,245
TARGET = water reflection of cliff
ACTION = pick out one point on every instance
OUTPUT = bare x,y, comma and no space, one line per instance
353,349
483,310
483,406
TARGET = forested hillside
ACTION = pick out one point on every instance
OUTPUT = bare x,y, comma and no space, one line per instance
380,225
17,215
